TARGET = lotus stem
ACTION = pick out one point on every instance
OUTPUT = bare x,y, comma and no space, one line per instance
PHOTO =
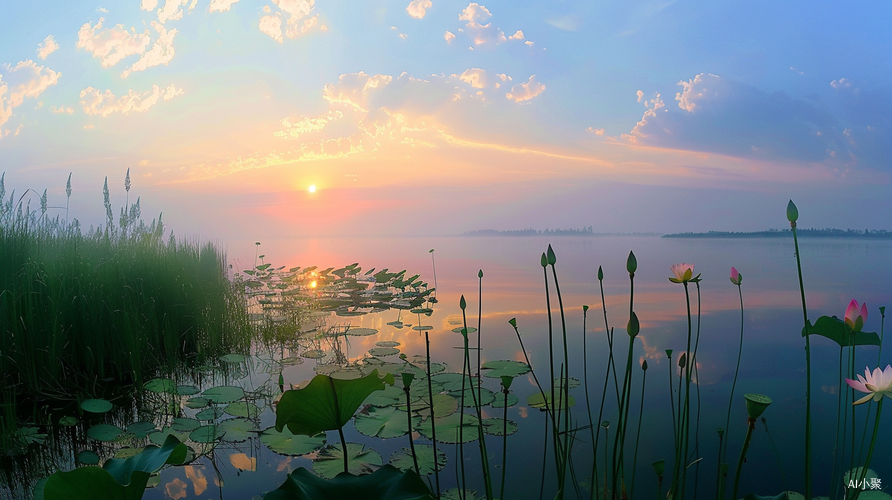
484,459
340,429
638,435
565,380
505,442
430,395
723,451
412,441
792,215
873,442
751,424
588,405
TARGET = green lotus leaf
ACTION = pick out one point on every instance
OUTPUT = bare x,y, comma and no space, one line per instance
160,437
384,423
286,443
96,405
212,413
116,480
403,460
505,367
233,358
572,383
181,424
444,405
313,354
383,351
537,401
835,330
499,427
325,403
386,483
387,343
127,452
500,401
360,460
235,430
187,390
68,421
88,457
361,332
486,396
141,429
161,385
422,328
242,409
224,394
388,396
104,432
291,361
206,434
460,329
453,381
448,428
197,402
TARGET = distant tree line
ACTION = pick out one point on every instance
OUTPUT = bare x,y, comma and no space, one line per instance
777,233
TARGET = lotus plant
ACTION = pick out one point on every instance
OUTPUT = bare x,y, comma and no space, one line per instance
737,279
855,316
756,404
876,385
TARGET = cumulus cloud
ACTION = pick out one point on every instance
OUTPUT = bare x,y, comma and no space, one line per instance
172,10
221,5
475,77
113,44
596,131
162,51
449,36
418,8
518,35
47,47
106,103
25,80
297,19
477,28
717,114
526,91
148,5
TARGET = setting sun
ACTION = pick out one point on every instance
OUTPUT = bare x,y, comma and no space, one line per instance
312,188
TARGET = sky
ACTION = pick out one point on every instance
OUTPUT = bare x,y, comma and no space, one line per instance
435,117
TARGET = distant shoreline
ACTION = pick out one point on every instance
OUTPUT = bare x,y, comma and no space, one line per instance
549,232
781,233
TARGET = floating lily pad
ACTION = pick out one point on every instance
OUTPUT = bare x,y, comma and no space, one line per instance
96,405
422,328
360,460
233,358
572,383
349,314
499,402
388,396
537,401
104,432
286,443
448,428
291,361
212,413
395,324
403,460
385,423
361,332
313,354
387,343
187,390
224,394
236,429
453,381
141,429
88,457
242,409
205,434
486,396
68,421
161,385
505,367
181,424
197,402
471,329
499,426
161,436
383,351
127,452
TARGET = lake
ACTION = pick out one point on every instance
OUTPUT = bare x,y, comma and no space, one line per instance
773,362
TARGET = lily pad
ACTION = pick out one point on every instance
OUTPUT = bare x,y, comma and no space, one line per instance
88,457
68,421
500,401
453,381
291,361
233,358
505,367
448,428
383,351
96,405
197,402
486,396
387,343
127,452
572,383
187,390
181,424
388,396
242,409
361,332
161,436
236,430
460,329
387,483
403,461
360,460
141,429
422,328
286,443
313,354
499,426
224,394
212,413
104,432
444,405
382,422
537,401
206,434
161,385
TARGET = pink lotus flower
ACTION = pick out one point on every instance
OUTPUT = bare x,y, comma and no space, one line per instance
684,273
877,384
736,277
854,318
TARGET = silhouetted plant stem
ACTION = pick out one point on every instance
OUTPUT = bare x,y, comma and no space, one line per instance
479,319
610,362
873,442
751,424
484,458
340,429
565,380
638,434
461,416
505,434
430,395
718,465
723,451
588,405
411,440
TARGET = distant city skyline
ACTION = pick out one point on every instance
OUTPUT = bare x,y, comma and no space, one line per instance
432,117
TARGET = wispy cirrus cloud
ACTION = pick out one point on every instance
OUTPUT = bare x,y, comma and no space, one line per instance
104,104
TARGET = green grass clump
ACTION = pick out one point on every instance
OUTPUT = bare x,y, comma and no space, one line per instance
108,304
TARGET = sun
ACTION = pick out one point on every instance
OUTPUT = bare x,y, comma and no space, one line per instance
312,188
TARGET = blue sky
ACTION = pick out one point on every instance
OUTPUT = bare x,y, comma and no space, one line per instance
441,117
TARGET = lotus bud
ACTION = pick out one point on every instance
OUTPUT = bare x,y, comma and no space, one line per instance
736,277
506,381
883,311
403,356
683,360
659,467
584,308
543,261
756,404
462,303
430,251
644,365
480,273
631,263
669,353
721,432
513,322
552,258
605,424
792,212
408,377
633,327
600,274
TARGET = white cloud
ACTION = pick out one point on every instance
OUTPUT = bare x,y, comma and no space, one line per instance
307,124
449,36
526,91
221,5
295,8
113,44
294,27
640,94
272,26
841,83
172,10
148,5
162,51
23,81
475,77
475,15
105,103
518,35
353,89
418,8
62,110
47,47
596,131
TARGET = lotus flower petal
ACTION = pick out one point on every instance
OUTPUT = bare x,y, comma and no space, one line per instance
876,384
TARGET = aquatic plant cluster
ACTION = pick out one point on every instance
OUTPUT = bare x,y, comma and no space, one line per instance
233,389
